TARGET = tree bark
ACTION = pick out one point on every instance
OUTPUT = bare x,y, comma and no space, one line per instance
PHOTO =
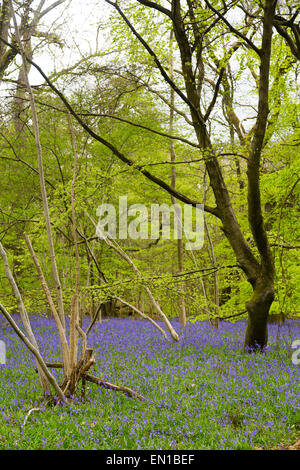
182,311
263,294
259,274
258,310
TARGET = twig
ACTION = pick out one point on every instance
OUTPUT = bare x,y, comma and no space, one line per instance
235,315
27,416
93,320
53,365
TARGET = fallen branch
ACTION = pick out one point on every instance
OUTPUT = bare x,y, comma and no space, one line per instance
120,300
84,376
53,365
143,315
116,388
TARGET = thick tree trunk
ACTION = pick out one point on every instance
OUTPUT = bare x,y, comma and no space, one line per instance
263,295
258,310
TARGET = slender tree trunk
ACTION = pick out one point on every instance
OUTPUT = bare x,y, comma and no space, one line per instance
19,98
215,320
60,328
74,313
35,351
41,174
24,316
182,311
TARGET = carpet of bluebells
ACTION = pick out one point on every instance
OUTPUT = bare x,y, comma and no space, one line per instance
201,393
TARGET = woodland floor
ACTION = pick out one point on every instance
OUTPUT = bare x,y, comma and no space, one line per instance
201,393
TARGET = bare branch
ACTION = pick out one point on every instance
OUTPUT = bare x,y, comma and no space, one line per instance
156,6
234,30
143,315
125,256
214,99
74,303
50,7
117,153
23,312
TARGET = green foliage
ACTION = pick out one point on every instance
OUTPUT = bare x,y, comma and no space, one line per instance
109,91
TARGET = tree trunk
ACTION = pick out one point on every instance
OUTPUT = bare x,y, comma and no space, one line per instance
258,310
259,305
182,311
